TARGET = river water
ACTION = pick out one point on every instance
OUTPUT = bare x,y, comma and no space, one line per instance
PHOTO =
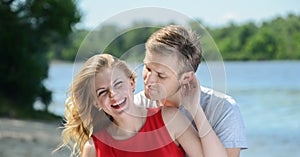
268,94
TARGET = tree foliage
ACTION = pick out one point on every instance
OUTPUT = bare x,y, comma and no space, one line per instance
272,40
277,38
27,27
108,38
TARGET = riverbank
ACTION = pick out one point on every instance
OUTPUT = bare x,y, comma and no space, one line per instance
40,138
29,138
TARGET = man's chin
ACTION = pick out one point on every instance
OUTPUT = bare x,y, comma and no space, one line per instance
147,95
155,97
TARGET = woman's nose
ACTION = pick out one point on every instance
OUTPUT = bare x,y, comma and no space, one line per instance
112,93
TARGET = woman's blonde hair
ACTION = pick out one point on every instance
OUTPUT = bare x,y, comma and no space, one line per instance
82,118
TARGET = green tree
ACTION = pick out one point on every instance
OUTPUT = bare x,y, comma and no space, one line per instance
128,40
67,49
262,46
277,38
227,40
287,31
27,27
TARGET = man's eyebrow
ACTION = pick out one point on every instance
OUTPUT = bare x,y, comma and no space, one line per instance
156,70
163,73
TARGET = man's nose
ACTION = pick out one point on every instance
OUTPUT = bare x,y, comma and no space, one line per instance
151,78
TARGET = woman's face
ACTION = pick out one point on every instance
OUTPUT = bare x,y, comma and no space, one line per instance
114,91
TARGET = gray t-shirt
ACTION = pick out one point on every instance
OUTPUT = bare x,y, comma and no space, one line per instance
221,111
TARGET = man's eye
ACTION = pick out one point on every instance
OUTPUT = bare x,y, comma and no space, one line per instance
148,69
162,76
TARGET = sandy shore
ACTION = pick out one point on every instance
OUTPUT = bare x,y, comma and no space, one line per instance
20,138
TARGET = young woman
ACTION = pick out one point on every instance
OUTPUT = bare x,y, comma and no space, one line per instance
102,119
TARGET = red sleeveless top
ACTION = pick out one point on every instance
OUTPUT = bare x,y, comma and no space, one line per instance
152,140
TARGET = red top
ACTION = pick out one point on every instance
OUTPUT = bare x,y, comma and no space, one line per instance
152,140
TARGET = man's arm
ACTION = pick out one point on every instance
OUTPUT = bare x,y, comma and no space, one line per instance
230,128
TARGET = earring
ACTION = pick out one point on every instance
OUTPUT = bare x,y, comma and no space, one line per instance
99,109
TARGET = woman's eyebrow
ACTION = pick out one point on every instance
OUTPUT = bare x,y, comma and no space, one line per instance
116,80
101,88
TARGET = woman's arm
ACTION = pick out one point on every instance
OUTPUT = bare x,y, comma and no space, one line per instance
182,132
211,144
89,149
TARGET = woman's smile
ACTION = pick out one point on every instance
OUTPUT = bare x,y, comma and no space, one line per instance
120,104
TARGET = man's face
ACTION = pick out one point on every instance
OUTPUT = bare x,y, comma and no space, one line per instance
160,77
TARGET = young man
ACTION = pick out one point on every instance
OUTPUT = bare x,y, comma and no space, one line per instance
173,54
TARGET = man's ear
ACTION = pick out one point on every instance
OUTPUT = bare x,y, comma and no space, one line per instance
186,77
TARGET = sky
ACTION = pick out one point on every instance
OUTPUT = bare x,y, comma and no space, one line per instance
213,13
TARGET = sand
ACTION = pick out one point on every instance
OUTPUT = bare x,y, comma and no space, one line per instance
21,138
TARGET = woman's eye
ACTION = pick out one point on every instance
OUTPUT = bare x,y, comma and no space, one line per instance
101,93
118,84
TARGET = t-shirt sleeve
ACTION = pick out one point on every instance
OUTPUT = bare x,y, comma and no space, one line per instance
142,101
227,122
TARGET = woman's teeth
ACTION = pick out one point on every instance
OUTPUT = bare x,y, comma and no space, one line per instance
118,104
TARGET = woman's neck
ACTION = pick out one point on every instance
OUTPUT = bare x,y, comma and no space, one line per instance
128,125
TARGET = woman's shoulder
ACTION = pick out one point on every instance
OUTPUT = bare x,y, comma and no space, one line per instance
172,114
89,149
169,112
172,117
175,122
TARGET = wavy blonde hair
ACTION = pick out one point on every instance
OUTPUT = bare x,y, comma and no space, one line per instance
82,118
